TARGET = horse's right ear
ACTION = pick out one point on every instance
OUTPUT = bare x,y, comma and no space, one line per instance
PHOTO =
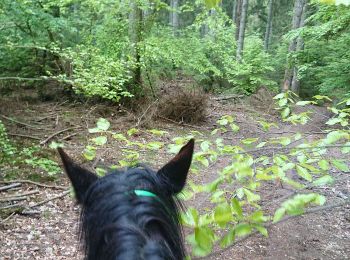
80,177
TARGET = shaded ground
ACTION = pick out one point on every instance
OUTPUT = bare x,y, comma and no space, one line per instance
52,234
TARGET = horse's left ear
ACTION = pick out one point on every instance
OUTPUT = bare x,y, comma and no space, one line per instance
81,178
174,173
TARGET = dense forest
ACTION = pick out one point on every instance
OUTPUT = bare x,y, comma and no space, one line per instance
121,49
256,93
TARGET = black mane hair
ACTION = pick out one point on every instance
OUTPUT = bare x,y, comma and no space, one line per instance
118,223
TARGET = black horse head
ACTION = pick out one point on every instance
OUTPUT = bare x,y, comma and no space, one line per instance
131,214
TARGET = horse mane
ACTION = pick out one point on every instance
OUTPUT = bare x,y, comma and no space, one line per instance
118,224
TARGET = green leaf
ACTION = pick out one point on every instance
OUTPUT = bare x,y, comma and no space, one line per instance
100,140
100,172
190,217
327,179
204,237
262,144
249,140
236,207
228,239
282,102
258,217
157,132
154,145
234,127
243,229
335,136
103,124
222,214
285,112
120,137
302,172
279,96
262,230
279,213
324,165
205,146
319,97
132,131
340,165
89,153
251,196
333,121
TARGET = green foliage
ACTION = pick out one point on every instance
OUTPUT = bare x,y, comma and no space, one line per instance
7,150
11,155
324,62
236,208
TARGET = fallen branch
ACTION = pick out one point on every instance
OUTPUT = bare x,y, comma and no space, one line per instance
6,219
9,199
25,193
20,123
36,183
228,97
26,136
68,136
10,186
57,133
50,199
309,211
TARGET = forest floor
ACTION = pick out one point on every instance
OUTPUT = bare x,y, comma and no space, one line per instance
53,233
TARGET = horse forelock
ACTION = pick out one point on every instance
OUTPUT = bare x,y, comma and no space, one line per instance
118,224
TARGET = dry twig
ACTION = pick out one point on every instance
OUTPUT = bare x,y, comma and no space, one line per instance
36,183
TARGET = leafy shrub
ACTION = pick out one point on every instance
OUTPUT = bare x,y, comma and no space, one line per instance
7,149
99,75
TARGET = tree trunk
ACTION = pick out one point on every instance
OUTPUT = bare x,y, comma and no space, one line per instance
234,10
299,9
300,46
135,26
242,25
174,15
237,16
268,31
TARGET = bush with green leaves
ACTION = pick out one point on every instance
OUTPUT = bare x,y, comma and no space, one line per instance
7,150
234,206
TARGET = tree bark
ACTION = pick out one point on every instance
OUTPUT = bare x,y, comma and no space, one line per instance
237,16
268,31
242,25
300,46
290,72
174,16
135,26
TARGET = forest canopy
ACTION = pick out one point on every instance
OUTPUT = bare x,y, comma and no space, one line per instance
121,49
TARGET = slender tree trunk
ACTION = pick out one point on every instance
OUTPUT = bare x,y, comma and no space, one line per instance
237,20
300,46
174,16
234,10
299,9
242,25
135,27
268,31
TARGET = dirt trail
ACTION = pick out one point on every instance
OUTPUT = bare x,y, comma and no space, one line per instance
54,233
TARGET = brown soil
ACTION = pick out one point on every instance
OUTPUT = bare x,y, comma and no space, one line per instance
53,234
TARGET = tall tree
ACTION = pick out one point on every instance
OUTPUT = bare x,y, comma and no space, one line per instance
174,15
290,72
242,26
237,16
268,31
135,30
